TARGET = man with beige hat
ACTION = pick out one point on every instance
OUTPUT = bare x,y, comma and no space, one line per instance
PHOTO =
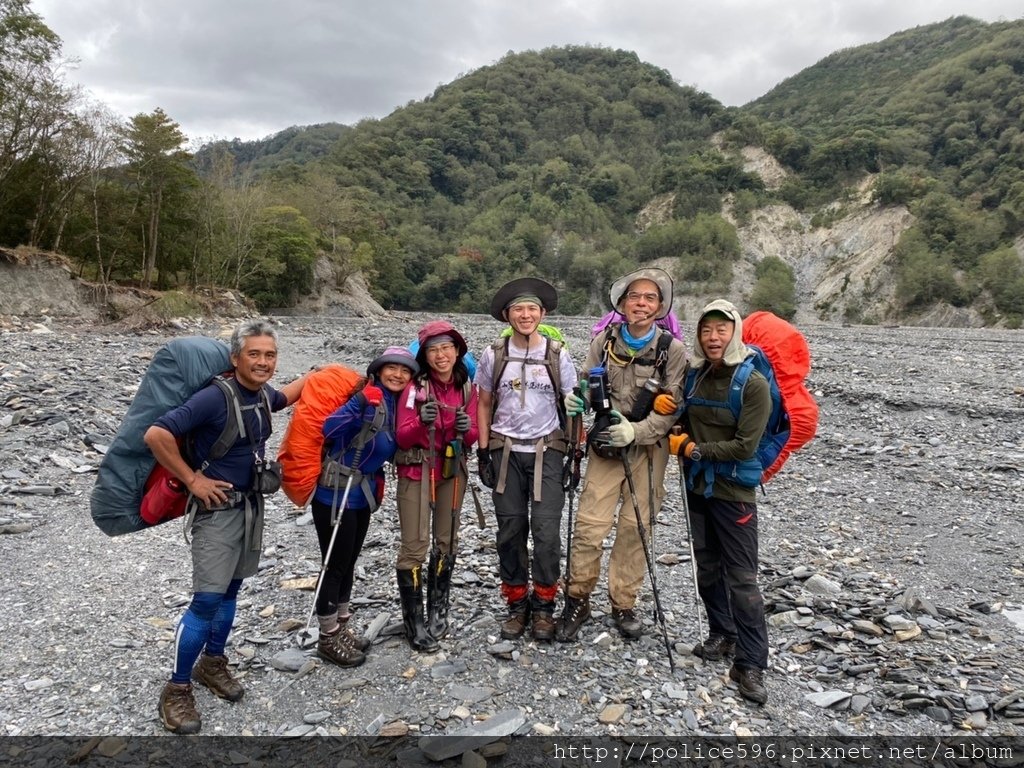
633,360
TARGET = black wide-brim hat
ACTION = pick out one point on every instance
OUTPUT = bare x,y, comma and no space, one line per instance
523,286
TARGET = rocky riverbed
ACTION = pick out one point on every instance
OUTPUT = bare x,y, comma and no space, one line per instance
891,566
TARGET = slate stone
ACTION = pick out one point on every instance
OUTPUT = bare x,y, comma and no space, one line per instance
440,748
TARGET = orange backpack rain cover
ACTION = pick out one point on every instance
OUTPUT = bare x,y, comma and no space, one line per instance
300,454
787,351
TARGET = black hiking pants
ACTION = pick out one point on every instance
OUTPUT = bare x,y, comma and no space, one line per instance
519,516
725,548
340,571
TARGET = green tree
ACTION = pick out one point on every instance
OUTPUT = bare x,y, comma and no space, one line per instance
283,255
158,164
774,287
36,116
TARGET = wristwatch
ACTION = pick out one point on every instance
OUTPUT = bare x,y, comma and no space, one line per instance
695,453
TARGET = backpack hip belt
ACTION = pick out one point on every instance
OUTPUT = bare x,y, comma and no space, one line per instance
554,441
408,456
335,475
250,503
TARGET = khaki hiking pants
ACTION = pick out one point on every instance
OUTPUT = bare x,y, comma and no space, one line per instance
414,519
603,487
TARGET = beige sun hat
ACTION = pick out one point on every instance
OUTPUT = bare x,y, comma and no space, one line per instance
659,277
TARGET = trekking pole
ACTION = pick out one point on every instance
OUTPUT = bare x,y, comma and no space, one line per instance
432,498
572,478
338,511
689,538
647,556
650,504
460,438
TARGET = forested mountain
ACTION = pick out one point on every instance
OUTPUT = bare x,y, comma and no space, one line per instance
936,113
574,163
297,145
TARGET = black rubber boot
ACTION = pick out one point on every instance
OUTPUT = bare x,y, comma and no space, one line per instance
439,587
410,591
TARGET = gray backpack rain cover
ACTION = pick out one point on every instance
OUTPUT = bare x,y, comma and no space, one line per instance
179,369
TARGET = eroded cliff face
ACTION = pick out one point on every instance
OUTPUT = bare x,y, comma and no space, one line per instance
35,283
351,299
845,271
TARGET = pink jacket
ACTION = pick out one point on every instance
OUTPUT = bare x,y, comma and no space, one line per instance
411,433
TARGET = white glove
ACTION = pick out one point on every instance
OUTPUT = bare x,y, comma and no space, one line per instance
621,433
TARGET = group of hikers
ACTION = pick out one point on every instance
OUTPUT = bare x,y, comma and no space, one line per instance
523,408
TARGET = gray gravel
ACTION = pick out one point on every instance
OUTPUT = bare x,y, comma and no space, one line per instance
891,560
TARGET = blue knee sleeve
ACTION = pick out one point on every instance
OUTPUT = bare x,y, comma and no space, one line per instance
193,632
220,627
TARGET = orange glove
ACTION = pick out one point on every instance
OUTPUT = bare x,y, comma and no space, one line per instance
665,405
681,442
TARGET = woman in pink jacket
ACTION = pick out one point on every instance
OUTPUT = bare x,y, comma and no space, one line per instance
436,426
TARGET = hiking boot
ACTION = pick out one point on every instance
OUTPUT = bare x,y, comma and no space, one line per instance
358,642
513,627
751,682
543,626
178,708
212,671
337,648
574,614
627,623
715,648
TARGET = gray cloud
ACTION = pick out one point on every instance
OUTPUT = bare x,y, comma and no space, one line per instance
249,68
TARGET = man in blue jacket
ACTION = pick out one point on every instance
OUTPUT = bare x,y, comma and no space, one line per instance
226,508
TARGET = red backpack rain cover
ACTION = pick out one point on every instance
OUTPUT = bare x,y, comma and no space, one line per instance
300,454
790,357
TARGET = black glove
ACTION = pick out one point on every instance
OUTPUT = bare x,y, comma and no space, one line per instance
428,413
462,422
486,469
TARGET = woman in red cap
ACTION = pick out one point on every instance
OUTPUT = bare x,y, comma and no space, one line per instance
436,426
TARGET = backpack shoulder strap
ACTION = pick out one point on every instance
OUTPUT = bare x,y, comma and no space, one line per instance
500,348
553,361
739,382
370,428
661,352
234,425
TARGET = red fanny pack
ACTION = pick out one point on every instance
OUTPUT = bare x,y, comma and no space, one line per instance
164,497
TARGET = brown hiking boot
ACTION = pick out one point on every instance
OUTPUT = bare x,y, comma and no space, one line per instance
715,648
514,626
212,671
751,683
178,709
627,623
574,614
338,649
543,626
358,642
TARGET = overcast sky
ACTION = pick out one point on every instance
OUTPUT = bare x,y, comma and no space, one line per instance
250,68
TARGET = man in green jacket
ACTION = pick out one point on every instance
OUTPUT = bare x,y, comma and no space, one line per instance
723,513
